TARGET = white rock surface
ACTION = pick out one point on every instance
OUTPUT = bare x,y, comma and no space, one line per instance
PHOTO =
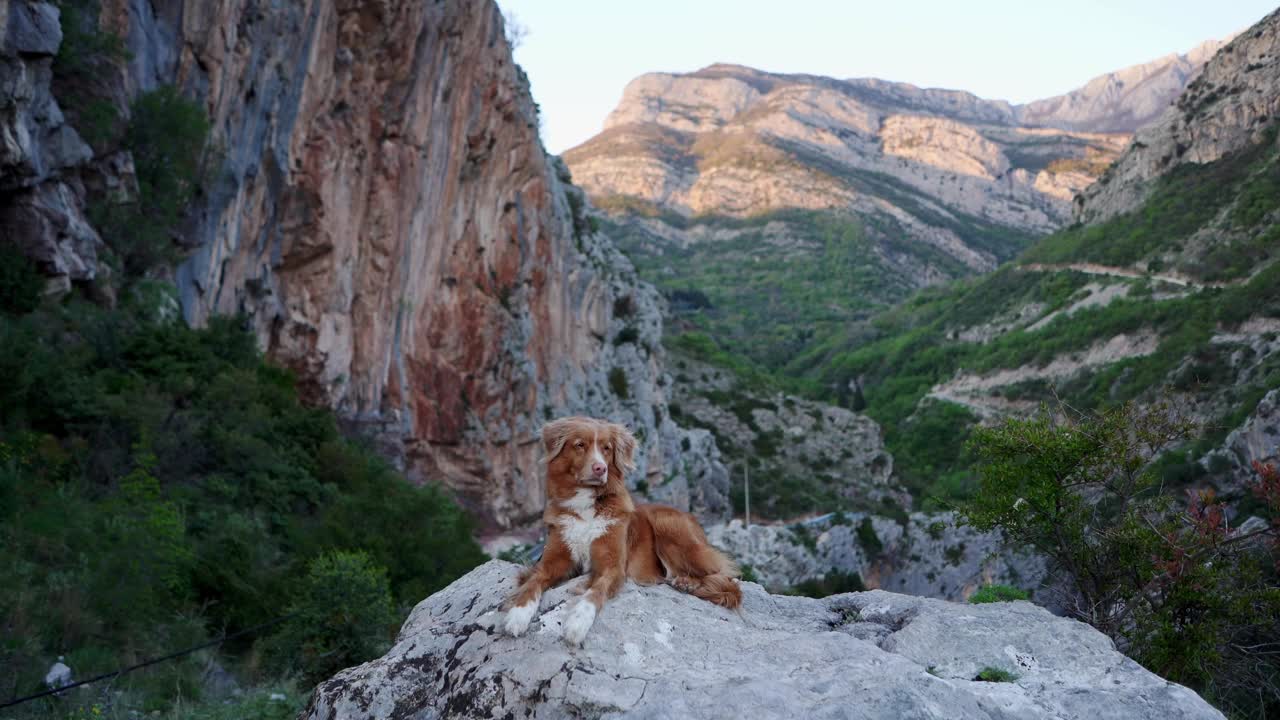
657,653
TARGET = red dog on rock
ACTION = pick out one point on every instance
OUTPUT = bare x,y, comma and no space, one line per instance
594,528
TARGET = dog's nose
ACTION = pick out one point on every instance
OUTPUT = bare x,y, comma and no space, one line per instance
599,469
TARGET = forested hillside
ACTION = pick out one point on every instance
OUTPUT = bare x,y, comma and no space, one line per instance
161,486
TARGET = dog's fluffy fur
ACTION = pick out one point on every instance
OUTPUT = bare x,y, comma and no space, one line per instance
593,528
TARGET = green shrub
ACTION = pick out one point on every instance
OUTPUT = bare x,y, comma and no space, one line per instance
21,285
997,593
628,334
618,383
868,539
84,44
804,536
160,485
994,674
834,582
167,136
1169,584
342,616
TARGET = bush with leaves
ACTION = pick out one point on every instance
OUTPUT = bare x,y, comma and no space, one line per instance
21,285
997,593
167,136
341,616
834,582
161,485
1176,587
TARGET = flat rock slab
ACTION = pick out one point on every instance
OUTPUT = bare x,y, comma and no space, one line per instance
657,653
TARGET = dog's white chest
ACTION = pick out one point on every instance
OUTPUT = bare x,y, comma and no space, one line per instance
579,532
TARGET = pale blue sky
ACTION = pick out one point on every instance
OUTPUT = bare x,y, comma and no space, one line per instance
580,53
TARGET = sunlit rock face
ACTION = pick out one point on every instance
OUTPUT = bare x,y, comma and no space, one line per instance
945,169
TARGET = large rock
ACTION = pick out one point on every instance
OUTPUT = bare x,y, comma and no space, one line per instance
657,653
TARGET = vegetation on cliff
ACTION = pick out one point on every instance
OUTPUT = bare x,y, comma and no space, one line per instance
1195,262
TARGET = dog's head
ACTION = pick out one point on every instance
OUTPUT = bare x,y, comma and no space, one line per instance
588,452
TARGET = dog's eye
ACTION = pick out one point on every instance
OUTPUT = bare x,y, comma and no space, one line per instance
608,447
579,445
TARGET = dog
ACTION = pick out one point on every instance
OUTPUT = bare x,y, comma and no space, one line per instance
594,528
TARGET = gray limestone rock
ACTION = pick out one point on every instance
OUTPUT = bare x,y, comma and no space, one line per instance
657,653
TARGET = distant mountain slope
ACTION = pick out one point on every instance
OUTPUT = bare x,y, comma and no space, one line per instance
1173,286
798,204
1124,100
736,141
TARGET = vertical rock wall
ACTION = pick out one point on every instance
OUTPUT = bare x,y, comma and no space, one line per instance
383,212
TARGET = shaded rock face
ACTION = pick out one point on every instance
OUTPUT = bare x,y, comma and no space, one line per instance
1256,440
41,197
789,438
657,653
928,555
385,217
1228,106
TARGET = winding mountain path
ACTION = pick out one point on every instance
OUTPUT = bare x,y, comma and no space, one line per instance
1130,273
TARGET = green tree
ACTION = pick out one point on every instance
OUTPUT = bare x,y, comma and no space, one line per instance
167,136
1175,587
342,616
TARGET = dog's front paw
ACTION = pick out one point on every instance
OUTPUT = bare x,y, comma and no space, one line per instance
518,619
581,617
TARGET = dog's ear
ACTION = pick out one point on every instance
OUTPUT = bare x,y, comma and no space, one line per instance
554,435
624,444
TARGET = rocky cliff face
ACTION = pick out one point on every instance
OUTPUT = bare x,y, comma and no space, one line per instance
1226,108
656,653
386,217
802,455
923,554
41,196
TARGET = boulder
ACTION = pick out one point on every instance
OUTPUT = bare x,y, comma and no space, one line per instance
657,653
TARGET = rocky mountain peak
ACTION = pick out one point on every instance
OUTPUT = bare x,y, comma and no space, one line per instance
1124,100
1230,104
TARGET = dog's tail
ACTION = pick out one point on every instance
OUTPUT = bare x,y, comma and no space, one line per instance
692,564
720,589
